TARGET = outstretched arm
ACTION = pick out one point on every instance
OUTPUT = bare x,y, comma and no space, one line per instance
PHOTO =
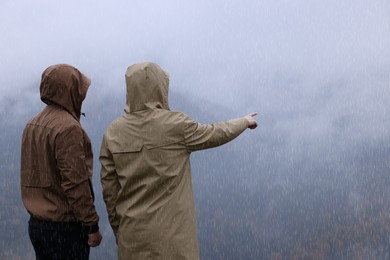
202,136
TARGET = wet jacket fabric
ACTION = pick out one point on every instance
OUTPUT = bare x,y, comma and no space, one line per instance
56,154
146,174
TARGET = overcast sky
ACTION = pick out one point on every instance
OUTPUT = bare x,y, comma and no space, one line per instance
216,49
308,67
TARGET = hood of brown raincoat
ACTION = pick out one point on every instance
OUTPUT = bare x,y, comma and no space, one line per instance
147,87
66,86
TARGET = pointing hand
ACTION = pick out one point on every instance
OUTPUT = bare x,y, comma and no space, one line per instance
252,122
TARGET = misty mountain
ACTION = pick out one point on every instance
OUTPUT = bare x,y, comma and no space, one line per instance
265,195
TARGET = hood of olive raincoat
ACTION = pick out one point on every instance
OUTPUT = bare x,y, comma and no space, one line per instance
147,87
65,86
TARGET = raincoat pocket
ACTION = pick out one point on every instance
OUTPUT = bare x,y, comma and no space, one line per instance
36,179
126,148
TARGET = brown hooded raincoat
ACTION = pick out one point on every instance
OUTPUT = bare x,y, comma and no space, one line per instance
146,175
56,156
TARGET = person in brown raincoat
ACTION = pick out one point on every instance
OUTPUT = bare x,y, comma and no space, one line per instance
56,170
146,174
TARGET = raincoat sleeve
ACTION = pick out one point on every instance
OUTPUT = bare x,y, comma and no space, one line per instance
75,177
110,184
202,136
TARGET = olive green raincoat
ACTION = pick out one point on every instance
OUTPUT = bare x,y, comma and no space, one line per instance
146,174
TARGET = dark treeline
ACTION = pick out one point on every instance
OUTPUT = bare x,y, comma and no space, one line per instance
253,201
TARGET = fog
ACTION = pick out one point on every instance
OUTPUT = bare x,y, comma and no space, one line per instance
313,61
317,72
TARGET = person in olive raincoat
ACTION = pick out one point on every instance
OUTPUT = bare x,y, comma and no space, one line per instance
56,170
146,174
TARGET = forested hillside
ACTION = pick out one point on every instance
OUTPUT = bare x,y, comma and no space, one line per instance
259,197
